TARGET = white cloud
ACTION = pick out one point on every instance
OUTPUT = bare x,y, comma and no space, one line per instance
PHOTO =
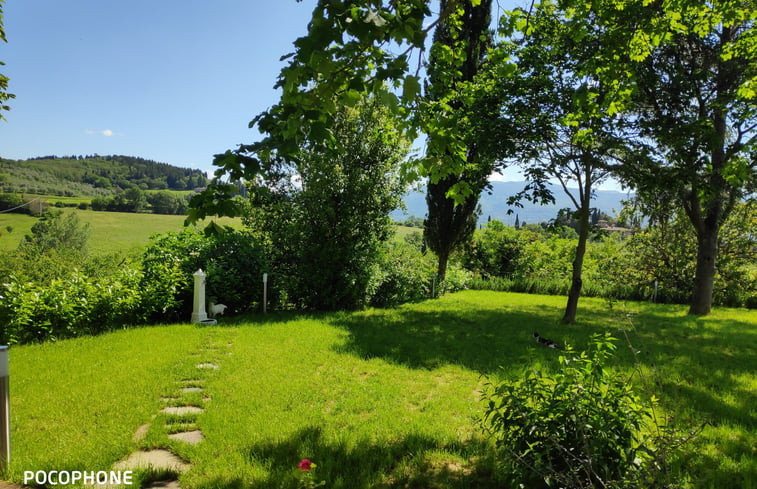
107,133
89,131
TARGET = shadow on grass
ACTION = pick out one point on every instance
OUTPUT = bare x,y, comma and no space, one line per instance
698,361
413,461
481,340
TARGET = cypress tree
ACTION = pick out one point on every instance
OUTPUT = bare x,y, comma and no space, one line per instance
450,224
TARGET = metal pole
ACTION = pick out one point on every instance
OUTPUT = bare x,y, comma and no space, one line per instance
265,291
5,407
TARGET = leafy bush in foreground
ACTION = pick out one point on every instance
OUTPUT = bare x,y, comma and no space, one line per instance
580,428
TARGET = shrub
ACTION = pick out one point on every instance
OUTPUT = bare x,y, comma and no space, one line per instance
580,428
74,305
404,274
234,262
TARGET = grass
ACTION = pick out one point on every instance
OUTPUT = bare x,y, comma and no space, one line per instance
114,231
377,399
110,231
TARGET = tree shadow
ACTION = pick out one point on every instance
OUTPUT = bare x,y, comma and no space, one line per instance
695,361
413,461
484,341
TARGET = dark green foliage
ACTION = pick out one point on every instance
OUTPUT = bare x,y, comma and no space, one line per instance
166,203
451,222
412,222
496,251
233,262
581,427
94,175
14,202
57,233
326,235
405,275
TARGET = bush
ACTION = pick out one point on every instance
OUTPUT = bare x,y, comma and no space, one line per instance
233,261
404,274
74,305
580,428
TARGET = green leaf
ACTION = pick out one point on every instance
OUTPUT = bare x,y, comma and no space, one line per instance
411,88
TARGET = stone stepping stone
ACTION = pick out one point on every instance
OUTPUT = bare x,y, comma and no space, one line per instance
207,365
164,485
182,410
192,437
141,432
11,485
191,389
155,459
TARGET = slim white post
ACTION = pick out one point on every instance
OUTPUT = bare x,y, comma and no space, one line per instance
654,297
198,309
265,291
5,405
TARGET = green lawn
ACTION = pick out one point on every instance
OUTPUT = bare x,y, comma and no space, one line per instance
111,231
380,398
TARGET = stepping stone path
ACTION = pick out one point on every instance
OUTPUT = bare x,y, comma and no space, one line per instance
182,410
157,459
207,365
141,432
163,459
192,437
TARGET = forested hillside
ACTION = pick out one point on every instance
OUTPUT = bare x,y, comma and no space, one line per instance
93,175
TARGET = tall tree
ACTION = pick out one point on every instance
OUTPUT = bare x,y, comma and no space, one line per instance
688,70
573,136
4,95
327,214
704,130
451,222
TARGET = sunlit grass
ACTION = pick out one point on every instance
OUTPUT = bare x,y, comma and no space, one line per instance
111,232
379,398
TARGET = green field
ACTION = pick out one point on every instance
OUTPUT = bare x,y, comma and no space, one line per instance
116,231
110,231
378,399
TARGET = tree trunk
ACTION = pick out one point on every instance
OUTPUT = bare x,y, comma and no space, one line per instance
441,270
575,287
704,279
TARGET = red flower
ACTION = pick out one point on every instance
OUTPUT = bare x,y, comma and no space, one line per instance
305,465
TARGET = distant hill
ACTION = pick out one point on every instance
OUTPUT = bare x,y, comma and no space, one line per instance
495,205
93,175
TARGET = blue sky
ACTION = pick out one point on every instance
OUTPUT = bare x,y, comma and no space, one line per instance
172,81
175,81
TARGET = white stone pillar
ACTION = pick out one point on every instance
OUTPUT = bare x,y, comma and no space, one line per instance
198,310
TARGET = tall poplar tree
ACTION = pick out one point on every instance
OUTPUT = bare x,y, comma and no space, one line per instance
451,222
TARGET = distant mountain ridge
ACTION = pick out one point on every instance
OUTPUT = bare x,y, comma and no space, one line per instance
494,204
93,175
